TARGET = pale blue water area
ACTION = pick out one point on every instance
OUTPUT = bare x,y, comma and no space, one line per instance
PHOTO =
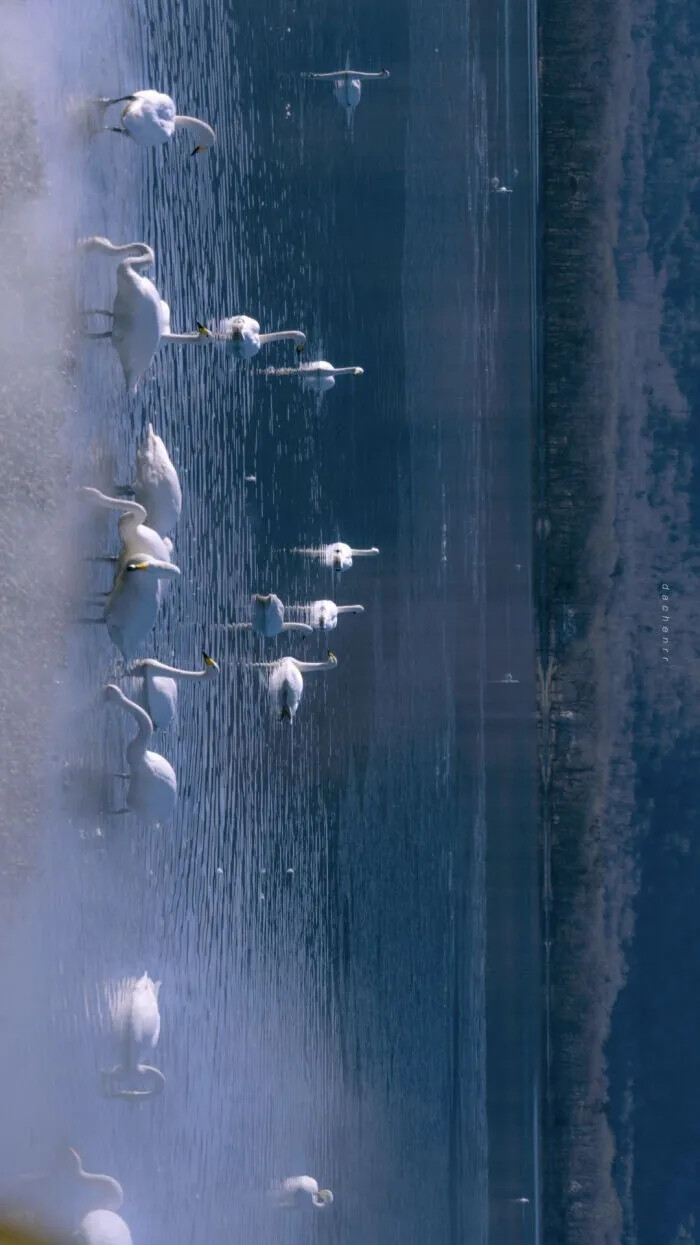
370,1018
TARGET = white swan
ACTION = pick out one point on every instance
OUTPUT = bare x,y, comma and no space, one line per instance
152,790
347,84
242,334
500,189
137,1024
338,556
268,617
136,538
323,615
150,119
286,683
102,1227
140,317
156,485
156,689
296,1190
131,608
318,376
68,1180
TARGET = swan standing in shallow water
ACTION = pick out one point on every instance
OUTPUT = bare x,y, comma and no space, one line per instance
140,318
136,538
156,486
268,618
347,84
286,683
150,119
337,556
242,334
152,790
295,1191
156,689
102,1227
318,376
131,608
137,1025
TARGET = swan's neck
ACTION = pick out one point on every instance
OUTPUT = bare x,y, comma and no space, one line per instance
138,251
123,504
287,334
307,667
349,609
187,337
159,667
202,133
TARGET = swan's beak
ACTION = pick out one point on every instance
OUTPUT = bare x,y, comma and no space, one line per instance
203,331
332,656
300,349
137,566
359,371
209,661
285,714
197,150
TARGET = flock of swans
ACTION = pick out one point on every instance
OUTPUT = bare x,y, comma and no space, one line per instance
148,512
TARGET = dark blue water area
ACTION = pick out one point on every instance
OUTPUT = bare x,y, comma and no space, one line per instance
344,914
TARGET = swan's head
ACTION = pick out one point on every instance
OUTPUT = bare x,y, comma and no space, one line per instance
324,1197
286,714
203,331
331,657
358,371
202,133
212,667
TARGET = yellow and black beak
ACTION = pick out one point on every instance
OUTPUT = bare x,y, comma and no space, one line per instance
203,330
300,349
138,566
197,150
209,661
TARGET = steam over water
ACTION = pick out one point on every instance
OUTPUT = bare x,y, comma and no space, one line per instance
317,906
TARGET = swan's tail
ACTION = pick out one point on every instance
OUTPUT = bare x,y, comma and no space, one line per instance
113,1088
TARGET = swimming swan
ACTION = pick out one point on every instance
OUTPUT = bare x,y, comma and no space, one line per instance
152,790
131,608
295,1190
150,119
156,691
286,682
243,336
338,556
140,318
347,84
268,618
137,1025
156,485
102,1227
318,376
323,615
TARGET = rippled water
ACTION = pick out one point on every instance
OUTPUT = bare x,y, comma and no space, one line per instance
317,908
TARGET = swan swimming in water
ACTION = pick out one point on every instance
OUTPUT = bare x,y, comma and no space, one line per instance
268,618
242,334
337,556
140,318
157,687
152,790
150,119
323,615
347,84
296,1190
137,1024
102,1227
286,683
318,376
156,486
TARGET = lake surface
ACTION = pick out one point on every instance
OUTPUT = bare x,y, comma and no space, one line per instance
344,914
